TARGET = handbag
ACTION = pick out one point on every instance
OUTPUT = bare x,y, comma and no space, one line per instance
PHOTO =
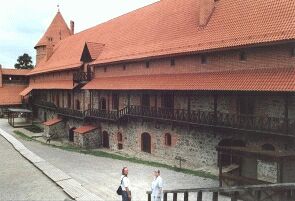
119,190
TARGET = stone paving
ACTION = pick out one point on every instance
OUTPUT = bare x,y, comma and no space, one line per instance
20,180
101,176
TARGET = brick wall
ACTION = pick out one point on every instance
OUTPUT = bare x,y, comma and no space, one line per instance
278,56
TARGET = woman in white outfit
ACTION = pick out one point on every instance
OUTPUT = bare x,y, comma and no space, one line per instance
157,187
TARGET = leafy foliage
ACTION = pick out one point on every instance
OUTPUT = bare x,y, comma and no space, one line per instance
24,62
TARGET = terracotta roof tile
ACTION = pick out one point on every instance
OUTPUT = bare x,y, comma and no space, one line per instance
95,49
15,71
85,129
58,84
9,94
239,80
57,30
171,27
52,122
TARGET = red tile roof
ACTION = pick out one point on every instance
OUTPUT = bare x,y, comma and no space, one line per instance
172,27
239,80
57,30
85,129
14,71
95,49
58,84
52,122
9,94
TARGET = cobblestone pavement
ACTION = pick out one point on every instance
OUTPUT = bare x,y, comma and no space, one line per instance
102,175
20,180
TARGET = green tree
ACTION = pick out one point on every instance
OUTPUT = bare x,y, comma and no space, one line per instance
24,62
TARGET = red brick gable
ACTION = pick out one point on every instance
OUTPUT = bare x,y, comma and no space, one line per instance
172,27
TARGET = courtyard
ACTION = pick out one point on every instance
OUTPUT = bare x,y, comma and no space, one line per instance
99,175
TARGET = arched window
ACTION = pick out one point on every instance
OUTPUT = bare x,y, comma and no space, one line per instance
268,147
168,139
120,141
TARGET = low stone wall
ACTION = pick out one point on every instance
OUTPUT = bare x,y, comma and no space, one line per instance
55,131
88,140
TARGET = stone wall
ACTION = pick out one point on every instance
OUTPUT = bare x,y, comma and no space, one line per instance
55,131
88,140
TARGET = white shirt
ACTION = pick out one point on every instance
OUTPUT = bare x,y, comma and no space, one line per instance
157,186
125,183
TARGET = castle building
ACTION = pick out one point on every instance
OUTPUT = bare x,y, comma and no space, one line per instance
172,79
12,82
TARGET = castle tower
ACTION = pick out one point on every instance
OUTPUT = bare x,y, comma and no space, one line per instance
57,30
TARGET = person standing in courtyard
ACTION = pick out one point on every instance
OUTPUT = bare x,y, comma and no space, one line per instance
157,187
125,185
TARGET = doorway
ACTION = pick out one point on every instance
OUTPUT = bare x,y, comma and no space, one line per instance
105,140
146,142
71,134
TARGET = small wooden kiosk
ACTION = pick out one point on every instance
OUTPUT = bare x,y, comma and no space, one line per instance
18,117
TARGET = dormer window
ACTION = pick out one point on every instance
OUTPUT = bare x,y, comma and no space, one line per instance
204,59
243,56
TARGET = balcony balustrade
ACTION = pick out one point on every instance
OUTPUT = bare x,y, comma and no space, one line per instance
80,77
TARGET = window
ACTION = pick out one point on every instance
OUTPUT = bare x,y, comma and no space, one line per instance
204,59
168,139
246,105
167,101
172,62
124,67
145,100
147,64
243,56
105,69
115,101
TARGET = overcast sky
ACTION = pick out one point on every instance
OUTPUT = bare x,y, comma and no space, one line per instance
23,22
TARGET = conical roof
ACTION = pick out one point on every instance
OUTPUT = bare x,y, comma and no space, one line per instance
57,30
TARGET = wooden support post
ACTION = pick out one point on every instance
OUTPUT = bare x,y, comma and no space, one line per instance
200,196
174,196
234,196
185,197
189,107
286,97
215,196
215,109
149,197
165,196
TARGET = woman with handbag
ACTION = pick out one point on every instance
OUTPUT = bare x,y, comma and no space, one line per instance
125,186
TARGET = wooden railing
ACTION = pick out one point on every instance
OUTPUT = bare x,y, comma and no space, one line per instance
70,113
106,114
79,77
46,105
274,192
218,119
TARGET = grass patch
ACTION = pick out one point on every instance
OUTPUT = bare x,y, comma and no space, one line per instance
34,129
134,160
22,135
122,158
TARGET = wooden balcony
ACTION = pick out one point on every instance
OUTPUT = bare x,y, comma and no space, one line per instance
67,112
275,192
82,77
263,124
46,105
106,115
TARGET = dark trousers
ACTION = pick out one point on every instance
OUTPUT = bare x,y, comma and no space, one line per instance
125,196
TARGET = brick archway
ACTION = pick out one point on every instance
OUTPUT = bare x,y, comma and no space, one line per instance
146,142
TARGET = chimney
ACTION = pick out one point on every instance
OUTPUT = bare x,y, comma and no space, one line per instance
72,24
49,48
206,10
